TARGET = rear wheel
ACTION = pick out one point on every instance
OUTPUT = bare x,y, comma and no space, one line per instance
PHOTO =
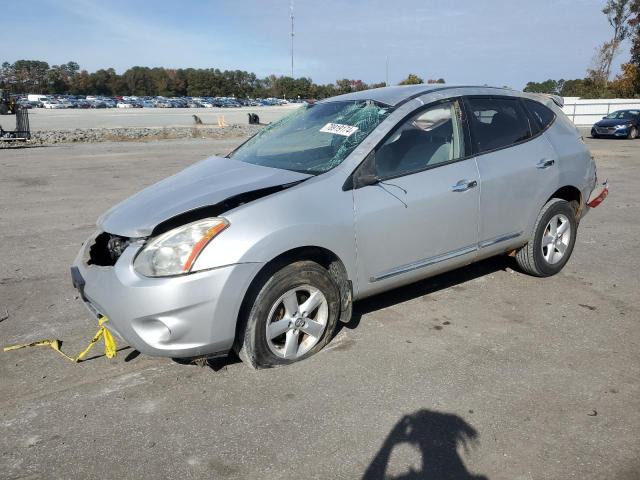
292,316
554,236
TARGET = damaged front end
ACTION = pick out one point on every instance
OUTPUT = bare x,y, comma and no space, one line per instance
207,188
106,249
141,268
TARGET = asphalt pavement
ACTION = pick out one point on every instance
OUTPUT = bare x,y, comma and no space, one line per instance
483,372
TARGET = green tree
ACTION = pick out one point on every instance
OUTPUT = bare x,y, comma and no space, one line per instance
548,86
30,76
343,86
104,82
139,81
81,84
624,85
618,13
412,79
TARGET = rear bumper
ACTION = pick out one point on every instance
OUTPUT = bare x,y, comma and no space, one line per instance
599,194
182,316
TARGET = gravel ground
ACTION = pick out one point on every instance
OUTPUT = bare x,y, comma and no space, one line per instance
105,125
480,372
68,119
92,135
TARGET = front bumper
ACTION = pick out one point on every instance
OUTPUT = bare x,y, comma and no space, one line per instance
183,316
610,132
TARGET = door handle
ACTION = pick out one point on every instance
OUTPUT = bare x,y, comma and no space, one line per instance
544,163
464,185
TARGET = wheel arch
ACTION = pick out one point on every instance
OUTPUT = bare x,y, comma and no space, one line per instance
572,195
321,255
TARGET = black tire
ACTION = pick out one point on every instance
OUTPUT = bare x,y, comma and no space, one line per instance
251,345
530,258
633,133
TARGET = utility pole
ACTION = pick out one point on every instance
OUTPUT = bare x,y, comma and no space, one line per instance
292,34
386,78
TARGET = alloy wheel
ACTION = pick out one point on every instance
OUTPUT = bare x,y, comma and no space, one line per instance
556,239
297,321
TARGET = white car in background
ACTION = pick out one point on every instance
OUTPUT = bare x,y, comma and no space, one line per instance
124,105
51,104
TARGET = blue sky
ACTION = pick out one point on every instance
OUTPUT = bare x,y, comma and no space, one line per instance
497,42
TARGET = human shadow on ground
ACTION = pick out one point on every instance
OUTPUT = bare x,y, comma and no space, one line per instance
437,436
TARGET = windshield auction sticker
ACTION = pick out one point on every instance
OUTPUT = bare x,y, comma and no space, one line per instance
339,129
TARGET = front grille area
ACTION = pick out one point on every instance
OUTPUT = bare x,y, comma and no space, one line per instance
605,130
106,249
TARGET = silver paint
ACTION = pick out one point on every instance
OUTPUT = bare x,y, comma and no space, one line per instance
381,243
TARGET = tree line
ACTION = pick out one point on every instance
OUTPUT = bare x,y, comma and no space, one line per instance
624,18
36,76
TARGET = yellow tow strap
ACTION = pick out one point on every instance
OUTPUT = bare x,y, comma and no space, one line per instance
109,343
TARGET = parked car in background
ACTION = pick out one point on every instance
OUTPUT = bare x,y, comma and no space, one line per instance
24,103
37,97
619,124
51,104
256,251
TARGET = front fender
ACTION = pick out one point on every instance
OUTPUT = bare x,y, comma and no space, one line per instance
314,213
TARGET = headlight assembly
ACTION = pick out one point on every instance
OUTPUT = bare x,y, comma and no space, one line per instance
175,252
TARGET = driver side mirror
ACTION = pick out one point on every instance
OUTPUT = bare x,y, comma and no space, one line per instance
367,173
368,179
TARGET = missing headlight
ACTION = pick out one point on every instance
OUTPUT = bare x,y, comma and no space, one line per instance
106,249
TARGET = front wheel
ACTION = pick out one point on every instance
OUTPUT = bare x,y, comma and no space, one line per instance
292,316
554,236
633,133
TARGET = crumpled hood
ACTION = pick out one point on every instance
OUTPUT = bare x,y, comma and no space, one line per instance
205,183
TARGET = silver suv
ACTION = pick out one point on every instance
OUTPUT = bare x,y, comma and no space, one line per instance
263,251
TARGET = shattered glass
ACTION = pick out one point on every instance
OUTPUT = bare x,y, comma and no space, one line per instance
314,138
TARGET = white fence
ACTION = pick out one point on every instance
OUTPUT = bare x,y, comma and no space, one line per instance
588,112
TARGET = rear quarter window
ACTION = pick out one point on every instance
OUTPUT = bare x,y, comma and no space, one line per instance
542,116
497,122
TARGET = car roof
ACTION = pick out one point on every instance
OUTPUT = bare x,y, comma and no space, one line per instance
399,94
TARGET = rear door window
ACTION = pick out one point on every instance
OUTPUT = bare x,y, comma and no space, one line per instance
542,116
497,122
